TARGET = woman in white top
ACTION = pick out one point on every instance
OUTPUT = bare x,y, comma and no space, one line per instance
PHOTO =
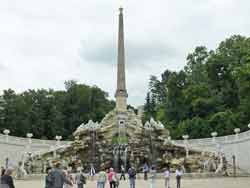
167,177
178,173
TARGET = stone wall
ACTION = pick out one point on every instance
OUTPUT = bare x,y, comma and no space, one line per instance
15,148
238,145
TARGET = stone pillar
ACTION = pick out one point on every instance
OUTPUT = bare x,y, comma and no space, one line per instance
121,92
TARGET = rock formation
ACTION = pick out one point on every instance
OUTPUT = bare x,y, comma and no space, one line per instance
103,146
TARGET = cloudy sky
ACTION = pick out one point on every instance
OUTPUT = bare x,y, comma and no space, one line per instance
45,42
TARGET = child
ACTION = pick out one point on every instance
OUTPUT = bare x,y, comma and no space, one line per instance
122,173
178,173
167,177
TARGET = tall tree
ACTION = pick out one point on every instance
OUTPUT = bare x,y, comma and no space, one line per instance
212,93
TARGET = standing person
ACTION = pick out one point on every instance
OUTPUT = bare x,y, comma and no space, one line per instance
19,172
112,178
48,181
80,179
70,178
57,177
117,180
101,179
7,163
122,173
178,173
153,176
145,171
132,177
7,180
167,177
92,172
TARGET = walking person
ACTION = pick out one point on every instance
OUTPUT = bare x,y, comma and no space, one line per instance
178,173
132,177
167,177
153,176
57,177
112,178
145,171
80,179
101,179
117,182
122,173
48,180
7,180
92,172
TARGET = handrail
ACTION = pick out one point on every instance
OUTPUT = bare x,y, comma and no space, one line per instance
22,140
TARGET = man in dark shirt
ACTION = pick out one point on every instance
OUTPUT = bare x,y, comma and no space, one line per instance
6,179
57,177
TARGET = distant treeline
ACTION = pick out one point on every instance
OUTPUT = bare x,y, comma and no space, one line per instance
211,93
47,113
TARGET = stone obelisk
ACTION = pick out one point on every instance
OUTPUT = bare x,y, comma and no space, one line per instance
121,91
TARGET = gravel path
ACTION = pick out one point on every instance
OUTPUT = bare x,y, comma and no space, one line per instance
186,183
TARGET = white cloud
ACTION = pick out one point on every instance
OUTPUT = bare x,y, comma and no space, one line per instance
44,43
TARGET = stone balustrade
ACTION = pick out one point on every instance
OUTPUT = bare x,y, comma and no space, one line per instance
20,140
16,148
230,145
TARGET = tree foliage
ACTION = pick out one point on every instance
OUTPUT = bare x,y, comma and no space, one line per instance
212,93
47,113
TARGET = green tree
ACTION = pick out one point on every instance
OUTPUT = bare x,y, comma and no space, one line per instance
212,93
47,113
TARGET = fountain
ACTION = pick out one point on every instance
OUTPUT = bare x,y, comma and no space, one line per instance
121,138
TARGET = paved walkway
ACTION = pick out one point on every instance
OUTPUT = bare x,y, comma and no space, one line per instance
186,183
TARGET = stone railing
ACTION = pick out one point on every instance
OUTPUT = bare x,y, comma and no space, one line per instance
231,145
15,148
244,136
24,141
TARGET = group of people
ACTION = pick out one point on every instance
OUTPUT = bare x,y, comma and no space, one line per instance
112,177
62,178
59,178
166,175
